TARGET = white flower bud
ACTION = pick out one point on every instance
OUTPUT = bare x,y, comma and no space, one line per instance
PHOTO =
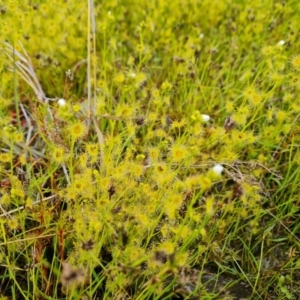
61,102
205,118
217,169
281,43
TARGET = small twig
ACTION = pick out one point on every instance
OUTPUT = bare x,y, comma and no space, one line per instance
24,206
255,164
66,173
34,238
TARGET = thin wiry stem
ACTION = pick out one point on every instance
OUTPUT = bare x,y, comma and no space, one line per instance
94,50
89,59
91,106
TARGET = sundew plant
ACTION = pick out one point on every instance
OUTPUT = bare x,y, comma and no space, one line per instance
149,149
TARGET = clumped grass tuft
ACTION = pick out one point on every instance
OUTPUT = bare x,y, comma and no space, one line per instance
149,149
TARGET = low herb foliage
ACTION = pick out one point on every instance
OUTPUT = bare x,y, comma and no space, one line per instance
149,149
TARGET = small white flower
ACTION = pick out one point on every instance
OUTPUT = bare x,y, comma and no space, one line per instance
201,35
218,169
205,118
132,75
69,73
281,43
61,102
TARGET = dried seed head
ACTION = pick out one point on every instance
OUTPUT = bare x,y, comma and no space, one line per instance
89,245
160,256
179,60
140,121
229,123
111,191
71,276
238,191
